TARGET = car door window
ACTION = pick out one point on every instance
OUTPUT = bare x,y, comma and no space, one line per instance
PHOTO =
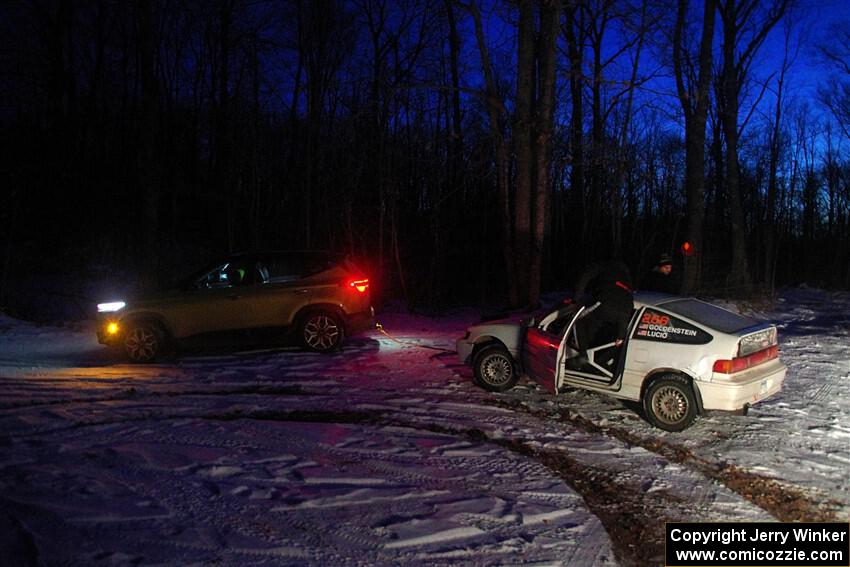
558,326
231,274
282,269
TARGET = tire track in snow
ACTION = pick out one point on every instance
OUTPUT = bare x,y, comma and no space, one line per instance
134,395
785,502
629,513
825,391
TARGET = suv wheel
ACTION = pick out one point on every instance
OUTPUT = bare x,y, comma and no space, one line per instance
143,342
670,403
495,369
321,331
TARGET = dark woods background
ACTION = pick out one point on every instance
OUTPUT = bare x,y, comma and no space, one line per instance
467,151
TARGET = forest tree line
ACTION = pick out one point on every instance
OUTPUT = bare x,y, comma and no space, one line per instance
465,150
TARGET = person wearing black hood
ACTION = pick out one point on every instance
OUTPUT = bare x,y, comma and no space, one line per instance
609,287
660,278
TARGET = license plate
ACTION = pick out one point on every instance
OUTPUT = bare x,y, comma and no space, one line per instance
765,386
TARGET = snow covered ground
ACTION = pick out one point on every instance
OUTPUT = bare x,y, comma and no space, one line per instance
386,453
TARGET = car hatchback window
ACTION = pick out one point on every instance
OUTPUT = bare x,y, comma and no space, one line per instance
709,315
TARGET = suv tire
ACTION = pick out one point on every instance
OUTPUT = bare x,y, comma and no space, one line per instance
143,342
321,331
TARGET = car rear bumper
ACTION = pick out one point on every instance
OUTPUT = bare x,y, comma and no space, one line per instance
359,322
727,393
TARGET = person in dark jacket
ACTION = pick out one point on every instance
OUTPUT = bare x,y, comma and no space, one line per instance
606,289
661,277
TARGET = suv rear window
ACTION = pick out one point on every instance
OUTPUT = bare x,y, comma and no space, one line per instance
709,315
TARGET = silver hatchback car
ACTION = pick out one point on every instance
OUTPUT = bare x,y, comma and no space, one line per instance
682,356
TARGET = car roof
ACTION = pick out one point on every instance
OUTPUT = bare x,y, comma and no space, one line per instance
707,314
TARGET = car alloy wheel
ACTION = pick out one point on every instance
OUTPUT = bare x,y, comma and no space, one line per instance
142,343
670,403
495,369
321,332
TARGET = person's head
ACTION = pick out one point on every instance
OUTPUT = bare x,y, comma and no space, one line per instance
664,264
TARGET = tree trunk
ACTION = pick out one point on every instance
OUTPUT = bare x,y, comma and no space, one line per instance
575,46
523,149
696,114
738,15
149,182
544,126
770,209
739,277
495,111
597,142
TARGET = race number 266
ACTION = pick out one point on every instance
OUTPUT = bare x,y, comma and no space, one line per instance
655,319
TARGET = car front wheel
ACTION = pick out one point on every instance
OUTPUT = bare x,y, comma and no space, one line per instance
321,331
670,403
495,369
143,342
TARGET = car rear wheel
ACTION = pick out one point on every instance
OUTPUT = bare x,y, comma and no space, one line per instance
321,331
143,342
495,369
670,403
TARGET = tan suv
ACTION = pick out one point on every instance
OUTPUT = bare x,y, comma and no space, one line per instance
320,296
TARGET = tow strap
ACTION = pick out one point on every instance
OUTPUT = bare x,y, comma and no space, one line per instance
383,331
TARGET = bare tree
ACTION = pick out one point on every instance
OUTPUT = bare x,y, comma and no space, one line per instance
523,148
693,83
745,27
775,143
574,32
497,114
550,15
835,95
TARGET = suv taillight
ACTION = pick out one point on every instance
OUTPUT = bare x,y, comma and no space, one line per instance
361,285
741,363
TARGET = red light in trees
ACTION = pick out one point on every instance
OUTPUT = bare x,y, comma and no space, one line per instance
688,249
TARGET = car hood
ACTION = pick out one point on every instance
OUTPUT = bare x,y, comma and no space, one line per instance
499,324
154,297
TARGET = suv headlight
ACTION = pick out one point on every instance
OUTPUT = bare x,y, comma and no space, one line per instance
110,307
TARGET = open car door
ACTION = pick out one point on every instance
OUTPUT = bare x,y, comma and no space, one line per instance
602,365
543,346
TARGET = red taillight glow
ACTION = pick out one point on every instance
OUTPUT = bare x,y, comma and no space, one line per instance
359,285
742,363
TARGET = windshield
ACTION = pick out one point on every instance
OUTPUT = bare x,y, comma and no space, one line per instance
710,315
